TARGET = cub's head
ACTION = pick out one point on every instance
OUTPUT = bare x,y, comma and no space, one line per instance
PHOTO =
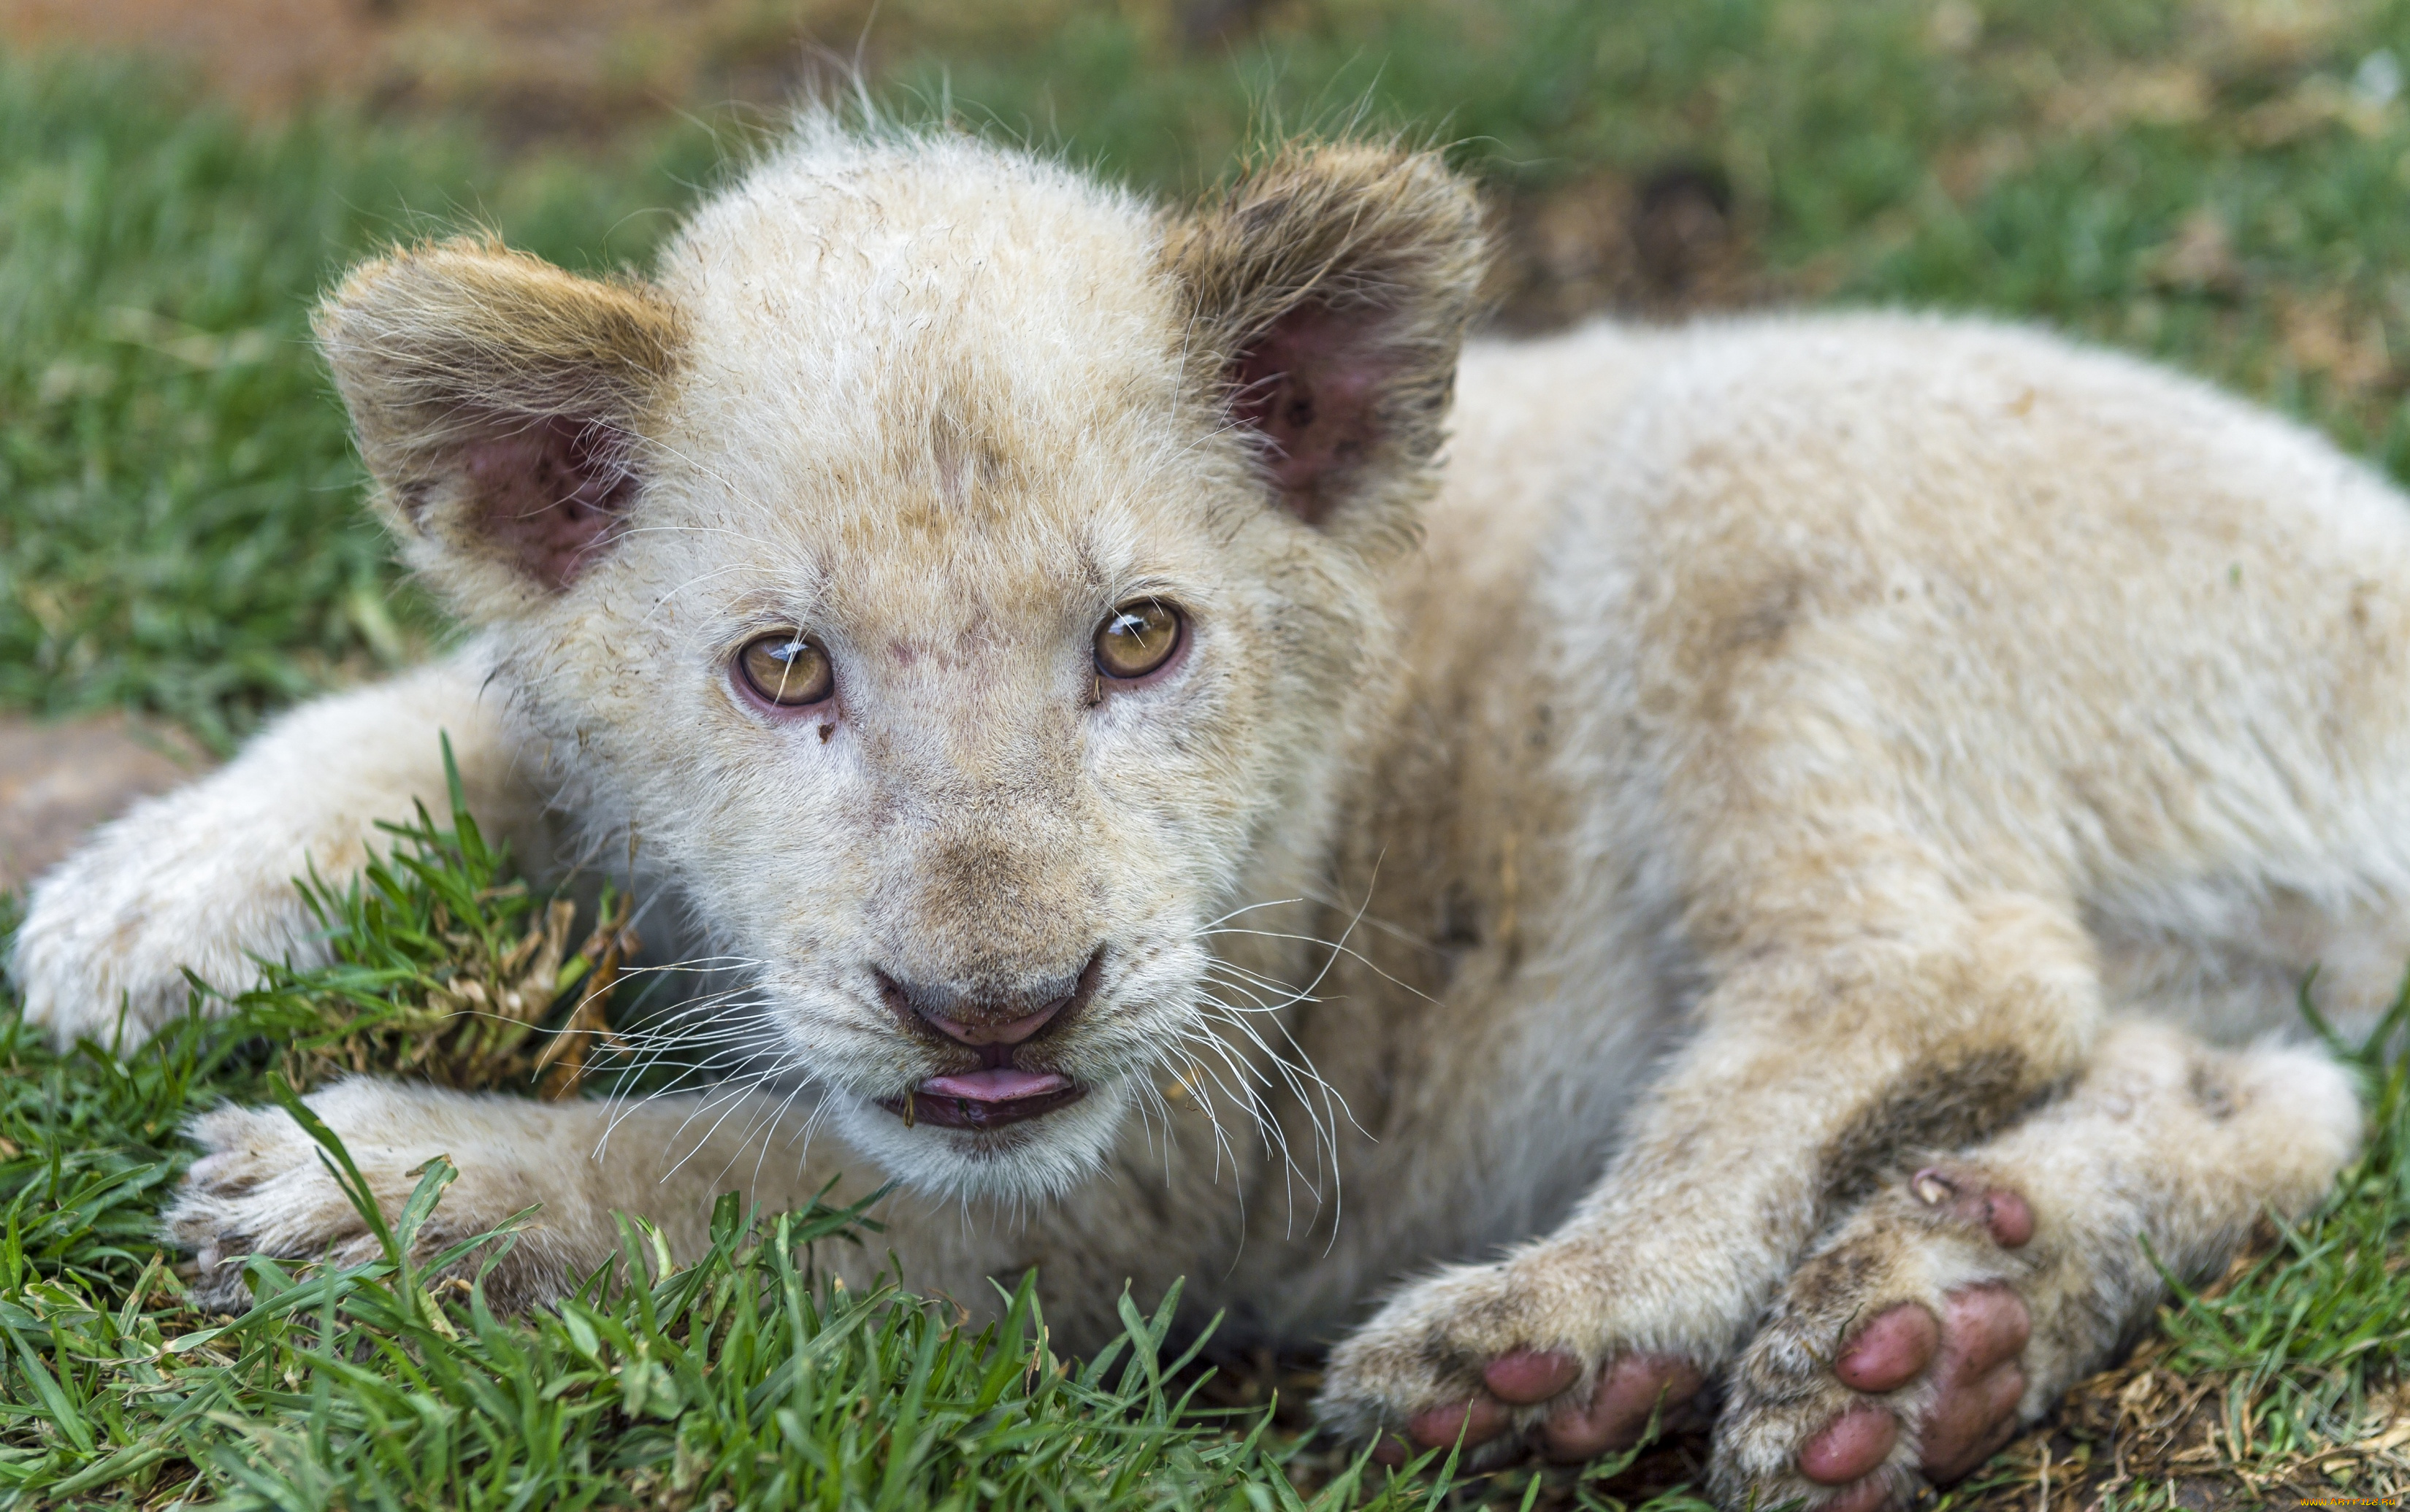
962,576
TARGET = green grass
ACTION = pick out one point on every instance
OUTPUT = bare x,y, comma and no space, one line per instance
748,1379
181,526
2225,185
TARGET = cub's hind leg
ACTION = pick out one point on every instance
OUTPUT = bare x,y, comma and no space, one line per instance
1966,1296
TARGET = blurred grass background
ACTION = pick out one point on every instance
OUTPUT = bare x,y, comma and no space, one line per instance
2221,182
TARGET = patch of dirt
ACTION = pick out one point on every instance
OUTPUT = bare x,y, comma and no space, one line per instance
59,779
530,68
550,69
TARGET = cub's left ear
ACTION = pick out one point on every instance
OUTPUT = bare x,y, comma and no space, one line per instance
497,400
1332,287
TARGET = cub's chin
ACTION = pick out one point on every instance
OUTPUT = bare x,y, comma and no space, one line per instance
1042,1154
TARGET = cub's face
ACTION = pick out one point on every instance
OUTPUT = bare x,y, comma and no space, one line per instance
961,579
960,687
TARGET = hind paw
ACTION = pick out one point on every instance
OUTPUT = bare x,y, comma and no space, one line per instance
1893,1358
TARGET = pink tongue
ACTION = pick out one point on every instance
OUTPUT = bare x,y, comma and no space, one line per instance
1001,1085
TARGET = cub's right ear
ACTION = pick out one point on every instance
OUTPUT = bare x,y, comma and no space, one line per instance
497,400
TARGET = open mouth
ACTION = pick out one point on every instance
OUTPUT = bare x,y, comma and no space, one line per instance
987,1098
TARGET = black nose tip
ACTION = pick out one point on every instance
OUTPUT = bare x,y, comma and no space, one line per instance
992,1019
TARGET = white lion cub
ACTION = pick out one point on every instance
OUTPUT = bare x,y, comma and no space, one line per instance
1731,853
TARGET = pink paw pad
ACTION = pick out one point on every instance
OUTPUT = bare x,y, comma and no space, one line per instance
1477,1421
1629,1392
1851,1446
1529,1376
1972,1349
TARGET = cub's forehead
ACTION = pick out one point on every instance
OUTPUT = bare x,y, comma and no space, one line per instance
848,283
934,345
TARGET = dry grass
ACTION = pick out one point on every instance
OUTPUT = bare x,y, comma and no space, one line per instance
2145,1434
447,970
479,1028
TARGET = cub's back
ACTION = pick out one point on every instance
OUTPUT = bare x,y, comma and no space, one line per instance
2104,628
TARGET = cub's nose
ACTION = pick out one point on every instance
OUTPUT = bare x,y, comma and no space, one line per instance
991,1018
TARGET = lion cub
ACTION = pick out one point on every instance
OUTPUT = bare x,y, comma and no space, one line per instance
1723,843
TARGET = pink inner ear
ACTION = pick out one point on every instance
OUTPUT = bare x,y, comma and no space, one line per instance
546,495
1310,383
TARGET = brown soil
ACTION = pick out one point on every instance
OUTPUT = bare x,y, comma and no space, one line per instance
59,779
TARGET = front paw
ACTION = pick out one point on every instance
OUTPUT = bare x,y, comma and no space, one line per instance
261,1188
1495,1356
109,933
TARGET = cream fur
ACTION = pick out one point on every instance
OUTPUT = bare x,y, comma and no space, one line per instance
1790,744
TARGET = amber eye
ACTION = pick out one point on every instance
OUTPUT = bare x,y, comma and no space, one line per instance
785,670
1136,639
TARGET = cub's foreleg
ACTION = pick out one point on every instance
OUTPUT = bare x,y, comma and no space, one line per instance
1967,1294
1821,1049
261,1188
202,877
